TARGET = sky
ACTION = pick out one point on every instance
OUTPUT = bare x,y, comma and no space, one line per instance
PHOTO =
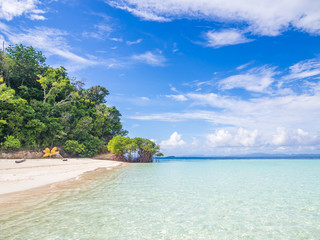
205,77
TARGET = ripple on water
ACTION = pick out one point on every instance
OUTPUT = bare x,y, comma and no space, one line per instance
243,199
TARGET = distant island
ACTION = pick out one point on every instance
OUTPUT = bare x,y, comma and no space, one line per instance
41,106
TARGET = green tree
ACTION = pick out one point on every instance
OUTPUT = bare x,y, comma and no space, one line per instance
41,107
11,143
55,83
136,149
97,94
20,67
74,147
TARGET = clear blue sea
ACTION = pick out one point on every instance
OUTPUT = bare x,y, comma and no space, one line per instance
181,199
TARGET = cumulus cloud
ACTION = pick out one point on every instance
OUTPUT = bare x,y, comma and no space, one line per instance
285,138
15,8
237,141
150,58
225,37
265,17
220,138
281,137
173,142
223,138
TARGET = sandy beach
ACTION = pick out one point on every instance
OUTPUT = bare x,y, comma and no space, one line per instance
34,173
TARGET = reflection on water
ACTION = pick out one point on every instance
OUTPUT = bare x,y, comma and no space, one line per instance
242,199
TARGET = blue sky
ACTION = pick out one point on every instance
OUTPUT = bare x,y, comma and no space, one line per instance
203,77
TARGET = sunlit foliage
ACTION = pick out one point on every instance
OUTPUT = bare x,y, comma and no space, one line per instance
42,106
133,149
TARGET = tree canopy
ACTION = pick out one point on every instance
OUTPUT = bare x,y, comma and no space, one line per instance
40,106
133,149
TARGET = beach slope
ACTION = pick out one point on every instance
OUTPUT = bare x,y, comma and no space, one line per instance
33,173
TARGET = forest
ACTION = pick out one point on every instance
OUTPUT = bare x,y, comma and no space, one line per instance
41,106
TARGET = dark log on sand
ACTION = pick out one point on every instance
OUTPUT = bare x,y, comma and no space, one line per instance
20,161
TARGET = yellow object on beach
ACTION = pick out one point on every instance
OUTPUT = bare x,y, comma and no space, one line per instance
48,153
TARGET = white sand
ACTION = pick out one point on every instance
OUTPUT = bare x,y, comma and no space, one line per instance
34,173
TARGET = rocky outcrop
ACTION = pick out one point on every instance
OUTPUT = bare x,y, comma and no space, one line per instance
113,157
106,156
26,154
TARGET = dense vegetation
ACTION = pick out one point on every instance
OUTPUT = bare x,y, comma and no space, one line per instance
133,149
40,106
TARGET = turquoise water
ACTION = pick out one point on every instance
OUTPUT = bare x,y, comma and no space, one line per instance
200,199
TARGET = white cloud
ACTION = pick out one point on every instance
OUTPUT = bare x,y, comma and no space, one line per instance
178,97
281,137
134,42
150,58
256,79
264,114
37,17
225,37
223,138
116,39
173,142
15,8
145,98
283,120
246,138
285,138
172,88
243,66
102,30
219,138
51,40
304,69
264,17
140,13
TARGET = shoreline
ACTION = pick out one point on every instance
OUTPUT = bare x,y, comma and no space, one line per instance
22,182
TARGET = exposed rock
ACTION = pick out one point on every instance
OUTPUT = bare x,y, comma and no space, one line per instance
106,156
57,156
26,154
21,154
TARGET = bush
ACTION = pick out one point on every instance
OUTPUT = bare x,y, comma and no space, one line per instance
11,143
118,145
74,147
91,145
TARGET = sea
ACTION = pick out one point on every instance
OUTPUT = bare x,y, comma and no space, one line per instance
180,199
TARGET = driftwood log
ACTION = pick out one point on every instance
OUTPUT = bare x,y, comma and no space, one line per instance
20,161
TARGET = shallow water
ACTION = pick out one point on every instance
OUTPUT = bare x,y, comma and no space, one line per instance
194,199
